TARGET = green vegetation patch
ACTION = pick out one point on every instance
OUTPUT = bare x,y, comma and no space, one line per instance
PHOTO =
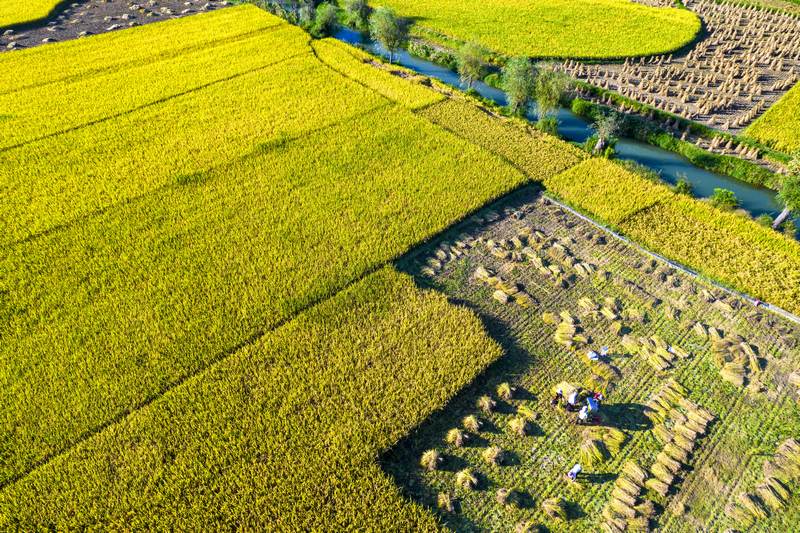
779,127
282,435
556,28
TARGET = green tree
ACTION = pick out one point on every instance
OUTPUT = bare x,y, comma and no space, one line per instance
469,59
387,29
789,195
356,13
324,20
606,127
518,81
548,90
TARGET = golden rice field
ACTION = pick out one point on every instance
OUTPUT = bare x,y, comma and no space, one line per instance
555,28
14,12
779,127
202,320
253,443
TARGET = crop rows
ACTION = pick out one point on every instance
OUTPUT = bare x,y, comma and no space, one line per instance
41,111
158,287
22,11
780,125
123,49
56,180
357,65
723,246
282,435
606,189
539,156
649,300
555,28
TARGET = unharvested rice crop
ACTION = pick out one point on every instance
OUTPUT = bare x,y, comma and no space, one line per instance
281,435
122,49
606,189
724,246
44,110
537,155
23,11
556,28
154,289
779,127
355,64
149,245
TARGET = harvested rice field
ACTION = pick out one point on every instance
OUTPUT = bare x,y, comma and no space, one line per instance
701,388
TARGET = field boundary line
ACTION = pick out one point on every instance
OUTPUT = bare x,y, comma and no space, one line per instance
147,105
686,270
157,58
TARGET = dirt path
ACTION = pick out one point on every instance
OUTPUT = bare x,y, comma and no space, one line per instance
90,17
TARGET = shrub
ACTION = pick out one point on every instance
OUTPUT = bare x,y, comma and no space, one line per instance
518,82
387,29
684,186
469,59
357,14
724,199
324,20
548,125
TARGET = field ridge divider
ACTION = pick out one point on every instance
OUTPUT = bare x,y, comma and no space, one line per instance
147,105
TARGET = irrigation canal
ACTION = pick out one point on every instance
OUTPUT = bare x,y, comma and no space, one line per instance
669,165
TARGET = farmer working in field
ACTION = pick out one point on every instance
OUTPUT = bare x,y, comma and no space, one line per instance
572,475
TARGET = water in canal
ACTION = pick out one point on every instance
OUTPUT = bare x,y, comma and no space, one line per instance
669,165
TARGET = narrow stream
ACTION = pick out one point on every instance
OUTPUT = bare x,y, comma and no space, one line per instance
669,165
